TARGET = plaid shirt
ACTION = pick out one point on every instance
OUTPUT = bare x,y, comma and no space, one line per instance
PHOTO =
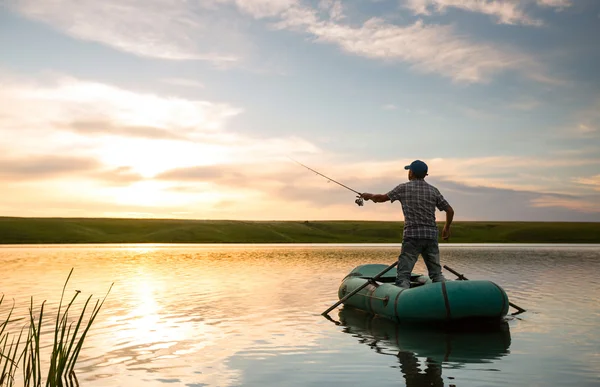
419,200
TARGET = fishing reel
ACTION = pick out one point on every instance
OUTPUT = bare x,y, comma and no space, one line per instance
360,201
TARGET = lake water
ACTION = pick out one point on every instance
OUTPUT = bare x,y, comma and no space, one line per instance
250,315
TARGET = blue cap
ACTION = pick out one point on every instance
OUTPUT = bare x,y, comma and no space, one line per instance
418,167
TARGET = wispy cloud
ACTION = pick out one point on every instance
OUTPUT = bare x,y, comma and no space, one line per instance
560,4
121,176
505,11
428,48
108,128
587,206
525,104
487,185
263,8
513,204
92,107
389,106
585,123
177,30
334,8
522,173
144,133
42,167
589,119
183,30
183,82
592,181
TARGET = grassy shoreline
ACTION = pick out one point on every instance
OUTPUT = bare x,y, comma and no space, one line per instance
18,230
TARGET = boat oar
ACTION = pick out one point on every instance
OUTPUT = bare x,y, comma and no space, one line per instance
359,288
463,278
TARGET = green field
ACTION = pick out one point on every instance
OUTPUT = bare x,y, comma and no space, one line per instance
113,230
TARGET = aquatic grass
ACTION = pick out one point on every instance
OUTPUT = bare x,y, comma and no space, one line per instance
68,340
8,353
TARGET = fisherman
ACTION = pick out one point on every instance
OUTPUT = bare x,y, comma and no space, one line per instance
419,200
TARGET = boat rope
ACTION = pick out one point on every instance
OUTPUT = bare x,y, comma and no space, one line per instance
372,297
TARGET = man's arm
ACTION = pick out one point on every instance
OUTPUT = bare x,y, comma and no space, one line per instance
376,198
394,194
449,217
443,205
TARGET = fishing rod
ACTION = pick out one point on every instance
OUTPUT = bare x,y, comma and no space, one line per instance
359,201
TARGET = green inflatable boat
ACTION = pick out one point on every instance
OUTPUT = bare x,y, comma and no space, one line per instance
425,301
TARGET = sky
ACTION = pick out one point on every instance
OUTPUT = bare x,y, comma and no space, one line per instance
192,108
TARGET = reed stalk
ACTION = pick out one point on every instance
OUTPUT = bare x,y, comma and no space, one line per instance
66,346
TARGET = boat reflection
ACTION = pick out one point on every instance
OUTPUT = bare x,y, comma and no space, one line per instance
433,348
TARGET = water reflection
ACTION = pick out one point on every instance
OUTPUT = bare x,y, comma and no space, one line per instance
250,316
450,348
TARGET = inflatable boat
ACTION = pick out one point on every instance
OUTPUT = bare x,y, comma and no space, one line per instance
425,301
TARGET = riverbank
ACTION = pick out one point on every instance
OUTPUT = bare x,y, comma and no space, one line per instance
15,230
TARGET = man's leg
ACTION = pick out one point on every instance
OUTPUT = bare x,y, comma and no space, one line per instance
406,262
431,256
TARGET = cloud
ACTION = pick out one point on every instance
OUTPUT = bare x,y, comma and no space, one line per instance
585,123
579,151
523,173
560,4
135,138
49,108
147,132
208,173
94,142
575,204
589,119
518,173
175,30
264,8
44,167
427,48
121,176
505,11
389,106
36,168
585,129
517,205
525,104
478,188
257,176
334,8
144,131
107,128
593,181
184,30
183,82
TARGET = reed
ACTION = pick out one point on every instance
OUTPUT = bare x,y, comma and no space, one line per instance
23,351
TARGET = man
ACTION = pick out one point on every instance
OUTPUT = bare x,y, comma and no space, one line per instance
419,200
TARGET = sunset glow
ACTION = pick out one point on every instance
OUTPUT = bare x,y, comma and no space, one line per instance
165,121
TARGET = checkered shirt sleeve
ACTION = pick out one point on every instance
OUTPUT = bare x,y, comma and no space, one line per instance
441,203
397,192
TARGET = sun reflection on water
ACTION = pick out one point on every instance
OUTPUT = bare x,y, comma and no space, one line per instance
215,316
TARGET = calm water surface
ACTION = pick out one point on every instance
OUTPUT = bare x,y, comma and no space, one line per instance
250,316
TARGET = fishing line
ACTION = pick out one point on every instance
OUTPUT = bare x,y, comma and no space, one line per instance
359,201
